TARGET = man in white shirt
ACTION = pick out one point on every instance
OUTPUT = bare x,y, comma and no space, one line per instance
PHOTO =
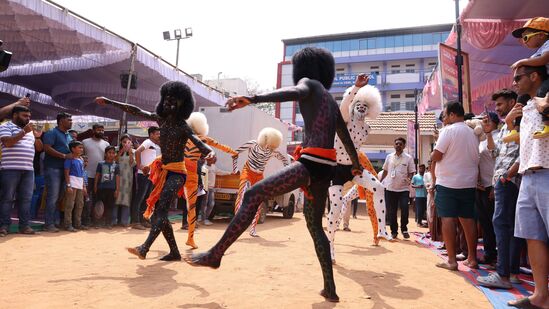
94,148
455,167
532,214
398,169
144,185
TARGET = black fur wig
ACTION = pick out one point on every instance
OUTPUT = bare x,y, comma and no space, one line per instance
182,93
314,63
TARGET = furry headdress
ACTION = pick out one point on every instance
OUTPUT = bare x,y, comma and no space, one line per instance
370,96
198,122
269,136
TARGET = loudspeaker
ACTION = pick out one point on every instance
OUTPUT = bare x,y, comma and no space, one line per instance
124,81
5,57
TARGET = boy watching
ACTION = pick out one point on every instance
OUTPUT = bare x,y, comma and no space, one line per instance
107,184
535,34
74,195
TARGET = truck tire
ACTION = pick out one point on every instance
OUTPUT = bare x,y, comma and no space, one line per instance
288,211
263,212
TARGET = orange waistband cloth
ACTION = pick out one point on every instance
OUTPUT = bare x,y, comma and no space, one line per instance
158,176
248,174
323,156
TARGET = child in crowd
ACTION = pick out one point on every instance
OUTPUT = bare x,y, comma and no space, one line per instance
86,193
535,35
107,183
74,195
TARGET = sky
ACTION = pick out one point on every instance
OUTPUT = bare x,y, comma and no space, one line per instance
244,38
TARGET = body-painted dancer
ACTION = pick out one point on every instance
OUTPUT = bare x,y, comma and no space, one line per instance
360,101
313,74
168,171
259,153
199,124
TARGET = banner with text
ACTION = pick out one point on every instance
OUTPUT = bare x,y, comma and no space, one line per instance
448,76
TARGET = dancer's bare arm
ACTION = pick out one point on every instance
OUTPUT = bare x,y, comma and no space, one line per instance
343,134
128,108
293,93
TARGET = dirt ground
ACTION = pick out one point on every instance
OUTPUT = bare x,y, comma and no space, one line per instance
279,270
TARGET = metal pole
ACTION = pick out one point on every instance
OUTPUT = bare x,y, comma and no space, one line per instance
459,57
124,121
416,128
177,55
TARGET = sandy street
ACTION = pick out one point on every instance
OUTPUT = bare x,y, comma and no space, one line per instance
91,269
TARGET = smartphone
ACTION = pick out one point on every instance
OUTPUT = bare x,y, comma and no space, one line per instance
27,95
485,110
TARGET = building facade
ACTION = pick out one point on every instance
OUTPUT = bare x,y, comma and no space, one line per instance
398,60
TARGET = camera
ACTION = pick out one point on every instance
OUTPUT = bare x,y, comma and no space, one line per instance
5,57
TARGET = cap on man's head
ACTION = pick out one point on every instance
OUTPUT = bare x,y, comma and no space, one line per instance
494,117
536,23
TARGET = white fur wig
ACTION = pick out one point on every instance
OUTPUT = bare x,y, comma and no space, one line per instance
198,122
369,96
269,137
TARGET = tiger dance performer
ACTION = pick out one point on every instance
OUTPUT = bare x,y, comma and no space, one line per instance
259,153
313,74
167,172
199,124
357,191
360,101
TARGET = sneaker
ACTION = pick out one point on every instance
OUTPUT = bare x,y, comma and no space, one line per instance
3,232
71,229
346,229
253,233
207,222
27,230
394,235
51,228
406,235
82,227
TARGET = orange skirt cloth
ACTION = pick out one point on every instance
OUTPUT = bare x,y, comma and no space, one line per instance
158,176
324,153
246,176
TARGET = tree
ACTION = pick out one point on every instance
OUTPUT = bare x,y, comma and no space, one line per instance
253,89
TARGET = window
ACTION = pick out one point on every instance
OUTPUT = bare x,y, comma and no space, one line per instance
410,106
427,38
410,68
329,46
390,42
371,43
399,41
337,46
354,44
380,42
374,69
340,69
395,106
346,45
395,68
395,96
363,44
409,95
416,39
408,40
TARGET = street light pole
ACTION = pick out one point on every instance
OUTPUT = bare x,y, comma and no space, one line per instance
178,37
459,57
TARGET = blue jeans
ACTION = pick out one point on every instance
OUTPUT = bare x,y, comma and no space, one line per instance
124,215
509,247
55,181
16,187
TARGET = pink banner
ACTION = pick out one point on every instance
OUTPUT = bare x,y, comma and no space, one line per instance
411,138
448,76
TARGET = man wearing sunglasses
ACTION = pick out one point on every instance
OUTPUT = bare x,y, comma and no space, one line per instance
535,34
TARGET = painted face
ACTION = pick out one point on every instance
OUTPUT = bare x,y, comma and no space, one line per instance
360,110
170,105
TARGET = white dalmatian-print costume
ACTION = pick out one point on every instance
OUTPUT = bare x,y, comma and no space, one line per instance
357,104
